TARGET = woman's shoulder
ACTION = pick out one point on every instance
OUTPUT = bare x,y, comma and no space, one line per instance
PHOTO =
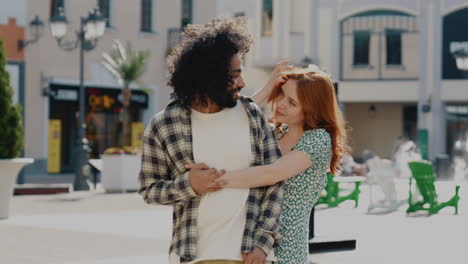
316,133
315,136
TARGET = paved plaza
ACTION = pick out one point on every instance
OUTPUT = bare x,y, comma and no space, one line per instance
99,228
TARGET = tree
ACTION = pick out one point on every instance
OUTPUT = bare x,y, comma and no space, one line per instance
11,122
127,66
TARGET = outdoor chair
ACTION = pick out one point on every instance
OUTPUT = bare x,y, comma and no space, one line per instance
332,197
423,174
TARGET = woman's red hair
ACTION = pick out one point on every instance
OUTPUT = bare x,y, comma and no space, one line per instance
317,97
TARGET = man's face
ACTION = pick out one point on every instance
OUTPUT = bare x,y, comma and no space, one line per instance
229,98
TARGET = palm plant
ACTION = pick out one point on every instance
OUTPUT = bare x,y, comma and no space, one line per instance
127,65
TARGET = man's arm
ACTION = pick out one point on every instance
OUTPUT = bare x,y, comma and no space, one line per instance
266,233
156,185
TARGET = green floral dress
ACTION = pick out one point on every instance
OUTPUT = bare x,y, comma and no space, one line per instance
300,194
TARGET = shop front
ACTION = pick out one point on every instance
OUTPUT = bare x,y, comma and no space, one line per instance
103,122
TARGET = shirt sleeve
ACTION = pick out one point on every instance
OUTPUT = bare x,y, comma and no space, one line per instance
316,145
156,184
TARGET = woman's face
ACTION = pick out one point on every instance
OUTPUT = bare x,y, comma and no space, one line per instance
288,107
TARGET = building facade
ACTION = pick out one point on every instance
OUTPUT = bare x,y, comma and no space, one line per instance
395,62
51,75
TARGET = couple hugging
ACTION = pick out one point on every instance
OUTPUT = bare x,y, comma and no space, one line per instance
241,189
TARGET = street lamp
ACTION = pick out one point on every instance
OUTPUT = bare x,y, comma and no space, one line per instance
36,27
91,28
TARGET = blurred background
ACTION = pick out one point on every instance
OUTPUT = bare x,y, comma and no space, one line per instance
400,68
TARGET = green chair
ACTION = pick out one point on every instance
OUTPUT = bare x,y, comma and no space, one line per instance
332,197
423,174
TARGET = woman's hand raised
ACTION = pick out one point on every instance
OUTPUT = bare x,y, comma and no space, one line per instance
278,77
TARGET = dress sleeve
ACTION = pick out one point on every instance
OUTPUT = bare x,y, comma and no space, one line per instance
316,144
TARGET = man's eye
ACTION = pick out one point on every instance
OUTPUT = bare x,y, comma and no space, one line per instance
291,102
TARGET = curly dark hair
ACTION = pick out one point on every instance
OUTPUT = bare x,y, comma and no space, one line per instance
199,64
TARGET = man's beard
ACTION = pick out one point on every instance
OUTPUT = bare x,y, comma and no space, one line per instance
226,99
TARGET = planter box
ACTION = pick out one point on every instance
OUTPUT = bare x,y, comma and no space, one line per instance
9,169
120,172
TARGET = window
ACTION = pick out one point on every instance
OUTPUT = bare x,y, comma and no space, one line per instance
267,17
146,16
55,6
361,47
187,15
105,9
393,41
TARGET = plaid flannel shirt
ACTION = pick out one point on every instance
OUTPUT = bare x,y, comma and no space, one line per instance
167,147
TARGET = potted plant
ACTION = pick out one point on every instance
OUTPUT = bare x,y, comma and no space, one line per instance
122,164
11,138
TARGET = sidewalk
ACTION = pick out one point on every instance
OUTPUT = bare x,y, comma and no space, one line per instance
98,228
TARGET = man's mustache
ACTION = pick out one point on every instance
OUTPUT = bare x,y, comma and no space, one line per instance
237,89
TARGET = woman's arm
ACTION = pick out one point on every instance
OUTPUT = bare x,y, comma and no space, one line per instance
282,169
277,76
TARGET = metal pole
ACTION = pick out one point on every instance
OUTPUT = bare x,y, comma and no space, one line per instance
438,108
80,181
423,79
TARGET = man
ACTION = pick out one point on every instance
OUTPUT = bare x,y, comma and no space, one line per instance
210,122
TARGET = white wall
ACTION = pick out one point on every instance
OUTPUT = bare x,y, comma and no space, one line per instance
450,6
376,134
351,7
454,90
204,11
378,91
298,16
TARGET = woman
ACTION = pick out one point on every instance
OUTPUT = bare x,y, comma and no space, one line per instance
311,138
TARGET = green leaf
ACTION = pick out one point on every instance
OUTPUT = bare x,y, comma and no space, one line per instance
11,121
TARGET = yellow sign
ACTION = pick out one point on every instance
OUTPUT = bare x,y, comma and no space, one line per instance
55,144
138,128
101,102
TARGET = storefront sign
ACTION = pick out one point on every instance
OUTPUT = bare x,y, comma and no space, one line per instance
54,146
66,95
101,103
98,99
110,100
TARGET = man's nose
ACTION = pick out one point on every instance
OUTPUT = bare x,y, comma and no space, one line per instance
241,82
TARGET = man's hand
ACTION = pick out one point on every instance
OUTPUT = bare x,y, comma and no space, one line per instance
257,256
202,178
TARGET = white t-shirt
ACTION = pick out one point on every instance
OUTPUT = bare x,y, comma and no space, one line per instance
222,141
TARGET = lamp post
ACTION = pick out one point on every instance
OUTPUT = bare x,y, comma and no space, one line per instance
91,28
36,29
